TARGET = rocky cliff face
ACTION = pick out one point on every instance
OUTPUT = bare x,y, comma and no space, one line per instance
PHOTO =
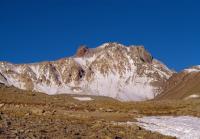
112,69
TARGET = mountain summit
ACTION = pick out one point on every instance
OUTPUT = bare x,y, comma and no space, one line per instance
122,72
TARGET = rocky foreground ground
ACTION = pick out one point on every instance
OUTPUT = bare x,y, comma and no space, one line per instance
28,115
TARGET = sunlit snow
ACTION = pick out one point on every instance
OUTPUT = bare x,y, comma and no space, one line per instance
182,127
194,69
193,96
83,98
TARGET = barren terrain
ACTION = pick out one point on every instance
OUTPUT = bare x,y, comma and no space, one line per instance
36,115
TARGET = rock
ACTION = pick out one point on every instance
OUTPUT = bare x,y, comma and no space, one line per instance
27,114
1,105
85,110
21,131
33,136
101,109
133,111
8,123
107,137
47,113
82,51
17,106
77,134
17,137
122,133
54,112
96,125
37,111
118,137
43,131
109,110
15,131
144,55
1,130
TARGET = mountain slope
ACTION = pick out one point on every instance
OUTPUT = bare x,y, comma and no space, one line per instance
183,85
112,69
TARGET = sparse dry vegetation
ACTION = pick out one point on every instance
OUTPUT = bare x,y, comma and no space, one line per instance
36,115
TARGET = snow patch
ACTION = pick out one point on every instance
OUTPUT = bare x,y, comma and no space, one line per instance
36,69
182,127
194,69
103,45
83,98
52,89
77,90
119,87
193,96
85,61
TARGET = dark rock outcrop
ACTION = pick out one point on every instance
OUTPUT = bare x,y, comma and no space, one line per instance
82,51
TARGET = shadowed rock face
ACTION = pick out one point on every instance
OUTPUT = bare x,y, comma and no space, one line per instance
144,55
2,79
112,69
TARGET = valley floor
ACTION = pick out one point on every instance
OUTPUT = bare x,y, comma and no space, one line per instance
26,114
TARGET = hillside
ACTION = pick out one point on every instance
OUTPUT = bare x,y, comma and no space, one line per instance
183,85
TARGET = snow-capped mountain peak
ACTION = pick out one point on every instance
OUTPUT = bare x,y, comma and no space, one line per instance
112,69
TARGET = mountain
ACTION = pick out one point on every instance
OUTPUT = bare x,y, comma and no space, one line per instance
183,85
122,72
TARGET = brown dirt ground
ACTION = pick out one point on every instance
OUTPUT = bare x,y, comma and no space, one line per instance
29,115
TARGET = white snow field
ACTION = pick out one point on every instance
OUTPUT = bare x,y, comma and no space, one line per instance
181,127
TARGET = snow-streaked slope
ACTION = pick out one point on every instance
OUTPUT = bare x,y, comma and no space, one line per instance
182,127
112,69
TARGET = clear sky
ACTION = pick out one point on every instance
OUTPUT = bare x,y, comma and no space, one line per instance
38,30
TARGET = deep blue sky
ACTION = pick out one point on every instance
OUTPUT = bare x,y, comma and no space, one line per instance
38,30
